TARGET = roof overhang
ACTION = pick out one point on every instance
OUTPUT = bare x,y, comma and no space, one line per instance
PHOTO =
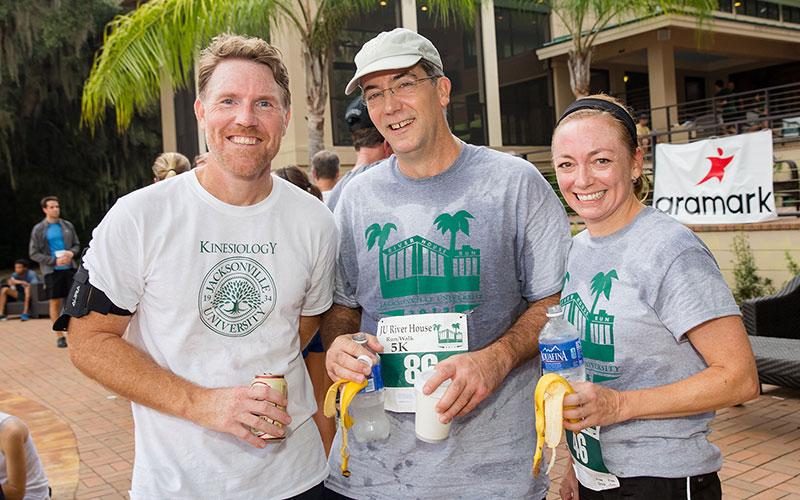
719,23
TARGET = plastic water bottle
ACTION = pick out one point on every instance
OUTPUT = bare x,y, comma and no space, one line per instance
369,417
560,347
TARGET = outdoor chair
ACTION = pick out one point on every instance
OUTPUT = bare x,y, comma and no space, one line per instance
40,306
773,326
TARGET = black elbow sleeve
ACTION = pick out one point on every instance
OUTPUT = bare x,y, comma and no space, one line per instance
82,298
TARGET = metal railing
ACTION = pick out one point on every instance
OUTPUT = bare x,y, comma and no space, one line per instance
775,108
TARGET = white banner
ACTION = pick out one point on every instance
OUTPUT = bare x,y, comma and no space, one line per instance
717,181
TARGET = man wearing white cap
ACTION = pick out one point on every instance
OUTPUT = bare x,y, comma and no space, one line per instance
443,227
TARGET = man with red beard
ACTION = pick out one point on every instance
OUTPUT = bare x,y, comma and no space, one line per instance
214,277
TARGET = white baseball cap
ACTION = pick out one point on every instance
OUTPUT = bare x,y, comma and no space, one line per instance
396,49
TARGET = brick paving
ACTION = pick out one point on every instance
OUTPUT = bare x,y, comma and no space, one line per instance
760,440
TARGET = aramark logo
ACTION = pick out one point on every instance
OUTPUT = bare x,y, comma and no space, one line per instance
718,165
236,296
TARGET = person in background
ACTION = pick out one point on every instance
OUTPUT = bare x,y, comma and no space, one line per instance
22,476
662,337
643,133
17,288
297,177
54,245
370,146
314,352
169,165
325,171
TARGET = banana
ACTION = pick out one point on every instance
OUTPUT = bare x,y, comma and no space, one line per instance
348,390
549,401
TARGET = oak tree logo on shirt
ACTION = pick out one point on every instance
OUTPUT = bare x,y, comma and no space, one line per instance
236,296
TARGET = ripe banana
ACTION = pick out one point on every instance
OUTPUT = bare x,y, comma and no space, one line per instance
549,401
348,390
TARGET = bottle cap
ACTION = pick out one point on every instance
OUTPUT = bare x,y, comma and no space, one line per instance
366,360
555,311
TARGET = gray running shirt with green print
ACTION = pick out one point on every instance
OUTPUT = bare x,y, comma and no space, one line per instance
633,296
484,238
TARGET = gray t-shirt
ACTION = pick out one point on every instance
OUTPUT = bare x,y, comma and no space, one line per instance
336,192
634,295
502,219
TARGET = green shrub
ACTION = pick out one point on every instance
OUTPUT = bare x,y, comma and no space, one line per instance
792,265
747,283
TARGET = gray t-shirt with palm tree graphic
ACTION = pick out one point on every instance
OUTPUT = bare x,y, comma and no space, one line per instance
634,295
484,238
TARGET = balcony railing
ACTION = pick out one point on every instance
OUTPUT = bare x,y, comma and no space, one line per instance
775,108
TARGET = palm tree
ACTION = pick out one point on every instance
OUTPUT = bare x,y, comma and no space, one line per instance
453,223
585,19
161,38
601,285
380,234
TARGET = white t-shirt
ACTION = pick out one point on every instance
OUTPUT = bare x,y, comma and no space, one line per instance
36,486
217,292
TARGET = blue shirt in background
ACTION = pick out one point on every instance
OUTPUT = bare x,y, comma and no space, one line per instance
55,239
29,276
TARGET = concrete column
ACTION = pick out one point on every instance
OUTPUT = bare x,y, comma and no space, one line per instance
562,91
408,14
661,78
169,136
490,74
294,147
202,147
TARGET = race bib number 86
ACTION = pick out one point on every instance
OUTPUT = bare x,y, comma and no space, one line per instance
413,344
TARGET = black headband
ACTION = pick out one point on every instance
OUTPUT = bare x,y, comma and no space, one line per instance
615,110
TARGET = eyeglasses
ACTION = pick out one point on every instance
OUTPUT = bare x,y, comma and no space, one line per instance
406,88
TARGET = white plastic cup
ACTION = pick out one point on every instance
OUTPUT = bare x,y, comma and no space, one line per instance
60,253
426,423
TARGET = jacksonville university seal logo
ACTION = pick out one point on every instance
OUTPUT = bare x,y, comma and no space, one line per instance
236,296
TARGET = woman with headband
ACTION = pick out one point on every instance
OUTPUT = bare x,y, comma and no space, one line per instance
662,337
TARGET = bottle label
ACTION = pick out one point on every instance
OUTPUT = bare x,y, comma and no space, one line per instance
375,381
563,356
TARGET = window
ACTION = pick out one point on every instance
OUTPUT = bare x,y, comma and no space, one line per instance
791,14
358,32
725,6
525,114
757,8
461,54
518,30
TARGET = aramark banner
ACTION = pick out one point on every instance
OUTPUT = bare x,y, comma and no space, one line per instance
726,180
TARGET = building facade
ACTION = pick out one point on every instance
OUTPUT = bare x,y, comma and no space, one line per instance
510,77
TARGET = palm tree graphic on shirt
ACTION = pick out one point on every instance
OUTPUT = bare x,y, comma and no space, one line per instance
597,328
417,266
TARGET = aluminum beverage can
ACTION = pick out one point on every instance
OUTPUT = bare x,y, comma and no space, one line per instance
277,382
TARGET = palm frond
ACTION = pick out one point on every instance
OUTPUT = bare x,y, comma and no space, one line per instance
161,35
462,12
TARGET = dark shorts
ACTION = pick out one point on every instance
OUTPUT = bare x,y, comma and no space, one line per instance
315,493
58,283
20,294
315,345
704,487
